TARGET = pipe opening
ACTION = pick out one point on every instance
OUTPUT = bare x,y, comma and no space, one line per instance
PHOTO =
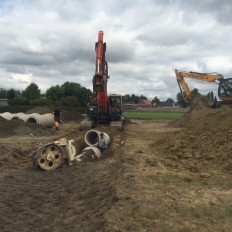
32,120
15,118
92,138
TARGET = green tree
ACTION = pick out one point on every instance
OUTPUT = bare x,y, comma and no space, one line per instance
156,100
55,94
180,100
126,98
71,101
3,93
134,98
142,97
32,92
19,101
39,102
11,94
75,89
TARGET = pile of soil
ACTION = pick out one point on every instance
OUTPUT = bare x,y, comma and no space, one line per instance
21,128
66,115
72,116
203,144
198,112
40,110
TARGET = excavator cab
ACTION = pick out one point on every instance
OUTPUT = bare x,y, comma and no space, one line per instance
114,109
225,89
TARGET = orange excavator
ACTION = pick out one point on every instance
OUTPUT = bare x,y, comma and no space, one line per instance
224,85
102,108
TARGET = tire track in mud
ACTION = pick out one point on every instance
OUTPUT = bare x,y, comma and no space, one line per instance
72,198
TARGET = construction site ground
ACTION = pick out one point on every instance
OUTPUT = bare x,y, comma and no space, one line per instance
155,176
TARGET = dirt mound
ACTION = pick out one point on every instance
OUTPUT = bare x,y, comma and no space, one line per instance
66,114
40,110
72,116
20,128
198,112
205,143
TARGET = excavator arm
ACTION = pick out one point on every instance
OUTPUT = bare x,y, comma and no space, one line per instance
102,108
183,86
101,75
224,85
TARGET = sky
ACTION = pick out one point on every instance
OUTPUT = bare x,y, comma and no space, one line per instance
51,42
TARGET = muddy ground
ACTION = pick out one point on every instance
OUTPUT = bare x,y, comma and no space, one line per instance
155,176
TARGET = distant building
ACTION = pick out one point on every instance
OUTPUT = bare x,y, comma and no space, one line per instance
4,102
167,104
145,103
130,106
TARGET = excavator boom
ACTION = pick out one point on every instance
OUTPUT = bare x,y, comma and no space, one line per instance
224,85
101,107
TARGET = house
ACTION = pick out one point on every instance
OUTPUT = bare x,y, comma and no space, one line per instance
130,106
167,104
145,103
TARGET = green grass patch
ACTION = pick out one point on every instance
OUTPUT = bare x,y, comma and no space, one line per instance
228,210
153,115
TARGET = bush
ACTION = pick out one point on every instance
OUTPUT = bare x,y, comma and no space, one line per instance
18,101
38,102
71,101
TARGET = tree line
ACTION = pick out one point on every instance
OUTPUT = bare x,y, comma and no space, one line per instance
67,94
73,94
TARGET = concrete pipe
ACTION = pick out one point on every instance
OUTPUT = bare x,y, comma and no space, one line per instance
96,152
92,137
7,115
89,153
46,120
21,116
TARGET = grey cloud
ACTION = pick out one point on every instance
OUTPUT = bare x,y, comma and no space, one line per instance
24,59
146,41
120,53
221,9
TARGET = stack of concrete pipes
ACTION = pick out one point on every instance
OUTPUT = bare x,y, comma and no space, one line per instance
43,119
91,151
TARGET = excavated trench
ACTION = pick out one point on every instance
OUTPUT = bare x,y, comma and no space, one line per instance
132,188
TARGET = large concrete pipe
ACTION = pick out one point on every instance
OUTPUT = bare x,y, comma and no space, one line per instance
21,116
7,115
89,153
46,120
92,137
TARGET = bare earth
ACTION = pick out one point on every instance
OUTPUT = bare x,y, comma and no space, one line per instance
156,176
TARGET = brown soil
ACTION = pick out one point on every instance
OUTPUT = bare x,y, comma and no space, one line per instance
155,176
66,115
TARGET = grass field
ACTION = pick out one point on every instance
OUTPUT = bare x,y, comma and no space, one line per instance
153,115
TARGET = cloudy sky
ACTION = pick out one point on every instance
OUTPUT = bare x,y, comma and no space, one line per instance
50,42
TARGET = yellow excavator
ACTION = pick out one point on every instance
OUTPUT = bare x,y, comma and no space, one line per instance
224,85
